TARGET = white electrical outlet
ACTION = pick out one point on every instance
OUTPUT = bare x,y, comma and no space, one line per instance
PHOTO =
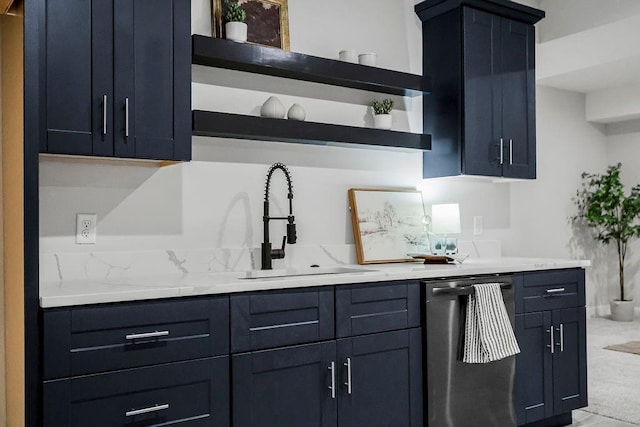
86,229
477,225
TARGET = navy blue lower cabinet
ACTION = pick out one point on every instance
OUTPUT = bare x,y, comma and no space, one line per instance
193,393
291,386
381,380
551,370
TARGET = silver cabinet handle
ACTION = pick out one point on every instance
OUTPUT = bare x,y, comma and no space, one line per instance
501,151
561,330
510,151
147,335
332,387
348,383
104,114
555,290
126,117
153,408
550,339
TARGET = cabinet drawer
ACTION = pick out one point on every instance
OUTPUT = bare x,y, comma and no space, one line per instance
377,307
277,318
193,393
96,339
550,290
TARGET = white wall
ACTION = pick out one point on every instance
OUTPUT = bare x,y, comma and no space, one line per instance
566,17
567,145
623,145
216,200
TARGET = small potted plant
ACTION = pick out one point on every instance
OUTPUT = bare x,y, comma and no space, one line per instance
382,113
235,28
613,216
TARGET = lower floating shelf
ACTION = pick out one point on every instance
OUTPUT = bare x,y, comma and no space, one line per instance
225,125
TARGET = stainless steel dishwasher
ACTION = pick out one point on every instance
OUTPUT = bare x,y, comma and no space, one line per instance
461,394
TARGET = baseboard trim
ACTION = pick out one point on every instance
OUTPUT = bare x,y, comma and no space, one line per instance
604,310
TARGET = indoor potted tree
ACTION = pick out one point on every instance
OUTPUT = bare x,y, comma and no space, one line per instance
235,28
613,216
382,113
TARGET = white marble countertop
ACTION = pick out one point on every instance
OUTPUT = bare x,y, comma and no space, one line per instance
81,292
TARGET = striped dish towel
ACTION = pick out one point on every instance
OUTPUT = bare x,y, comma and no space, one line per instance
488,332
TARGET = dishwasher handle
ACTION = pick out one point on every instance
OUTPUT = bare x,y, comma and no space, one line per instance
463,290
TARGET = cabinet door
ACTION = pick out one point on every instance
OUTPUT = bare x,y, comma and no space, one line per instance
381,380
517,75
285,387
570,360
79,77
482,113
534,381
152,75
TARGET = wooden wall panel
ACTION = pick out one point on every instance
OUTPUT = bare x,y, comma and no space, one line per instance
13,215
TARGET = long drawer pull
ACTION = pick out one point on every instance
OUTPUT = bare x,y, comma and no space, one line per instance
555,291
154,408
147,335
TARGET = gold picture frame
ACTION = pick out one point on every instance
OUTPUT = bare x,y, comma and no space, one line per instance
388,225
267,22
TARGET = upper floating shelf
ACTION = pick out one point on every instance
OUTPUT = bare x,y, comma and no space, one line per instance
252,58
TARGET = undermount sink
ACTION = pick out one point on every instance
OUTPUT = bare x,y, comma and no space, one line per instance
311,271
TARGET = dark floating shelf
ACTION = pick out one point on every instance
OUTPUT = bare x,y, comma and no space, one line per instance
225,125
252,58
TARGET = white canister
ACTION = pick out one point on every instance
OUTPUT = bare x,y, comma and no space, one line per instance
273,108
296,112
367,59
349,55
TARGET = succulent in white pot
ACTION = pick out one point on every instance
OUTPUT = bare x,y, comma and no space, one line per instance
382,113
235,27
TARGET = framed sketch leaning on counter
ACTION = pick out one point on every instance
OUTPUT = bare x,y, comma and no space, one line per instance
387,224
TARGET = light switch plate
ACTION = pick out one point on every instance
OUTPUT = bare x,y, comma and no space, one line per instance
86,229
478,228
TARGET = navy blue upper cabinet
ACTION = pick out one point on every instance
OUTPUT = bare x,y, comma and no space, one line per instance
118,78
480,56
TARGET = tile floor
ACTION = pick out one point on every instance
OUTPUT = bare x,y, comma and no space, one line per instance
585,419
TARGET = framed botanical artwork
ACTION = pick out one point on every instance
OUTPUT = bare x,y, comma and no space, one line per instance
388,225
267,21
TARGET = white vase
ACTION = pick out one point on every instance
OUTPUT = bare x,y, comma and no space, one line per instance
622,311
382,121
236,31
296,112
273,108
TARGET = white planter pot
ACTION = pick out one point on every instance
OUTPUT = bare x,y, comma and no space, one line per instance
382,121
236,31
622,311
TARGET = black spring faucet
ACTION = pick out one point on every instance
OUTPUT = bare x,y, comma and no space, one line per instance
269,254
